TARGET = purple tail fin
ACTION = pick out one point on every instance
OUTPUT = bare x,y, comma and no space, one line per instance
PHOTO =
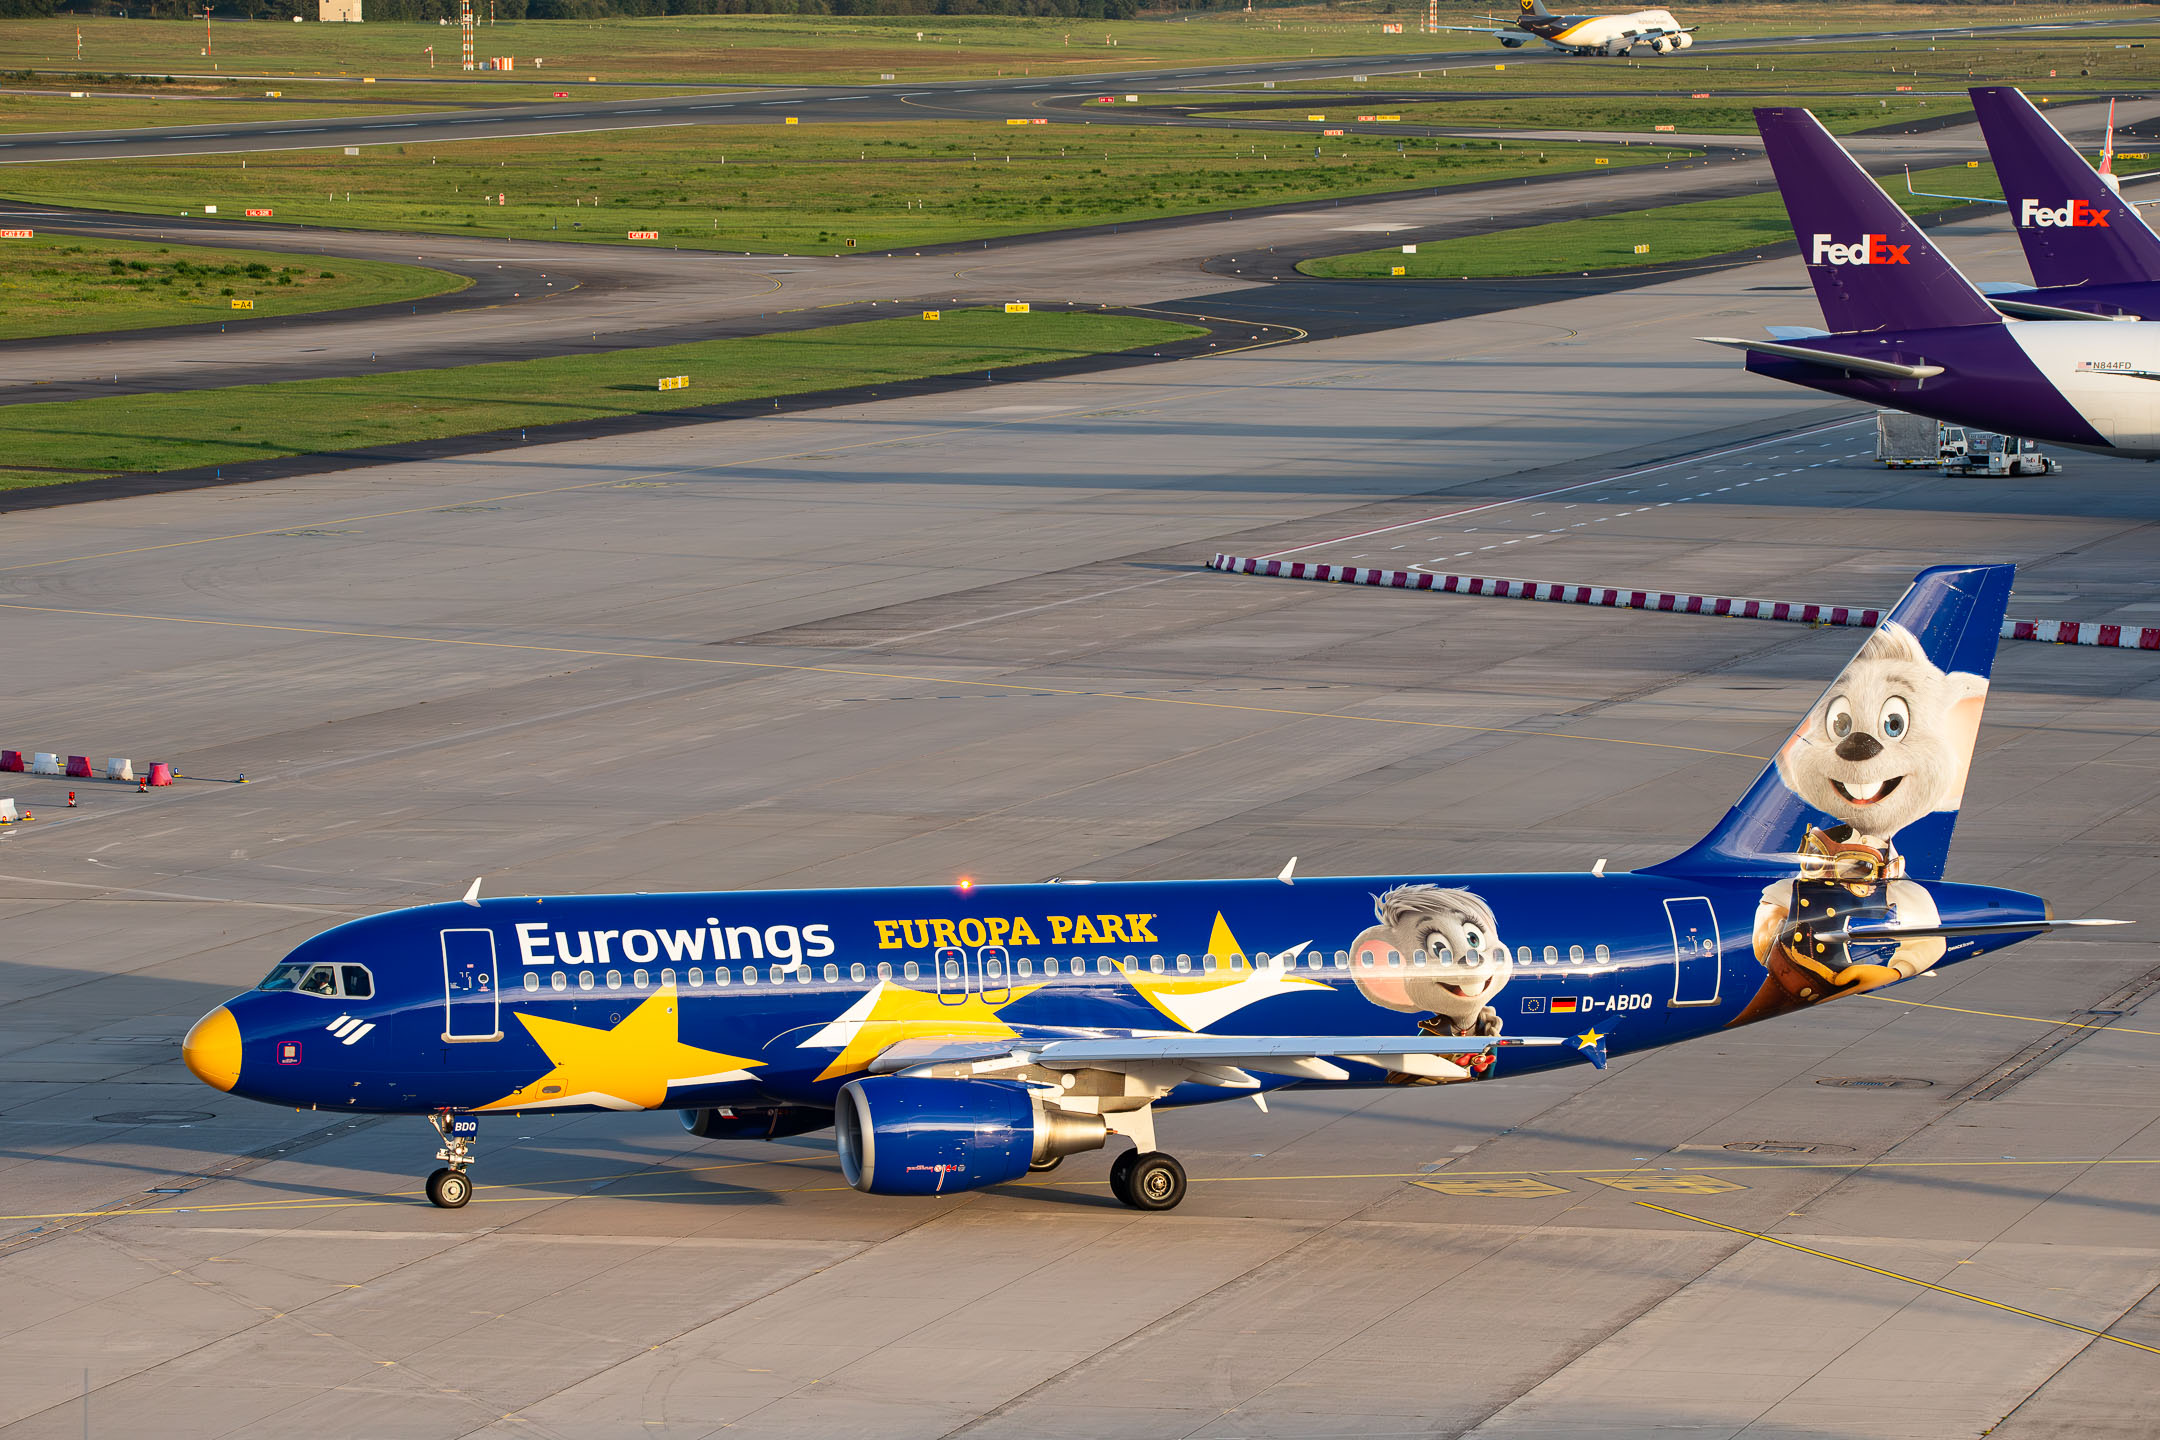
1872,268
2075,229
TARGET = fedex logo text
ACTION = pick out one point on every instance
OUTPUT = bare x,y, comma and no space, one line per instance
2077,213
1867,250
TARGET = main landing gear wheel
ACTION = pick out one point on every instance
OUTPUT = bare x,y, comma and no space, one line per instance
450,1189
1148,1180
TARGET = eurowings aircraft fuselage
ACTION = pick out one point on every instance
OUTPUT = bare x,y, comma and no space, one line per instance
959,1036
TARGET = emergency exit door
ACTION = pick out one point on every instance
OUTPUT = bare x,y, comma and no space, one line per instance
1696,957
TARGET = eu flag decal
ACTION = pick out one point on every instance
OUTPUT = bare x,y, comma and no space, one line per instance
1533,1005
1591,1044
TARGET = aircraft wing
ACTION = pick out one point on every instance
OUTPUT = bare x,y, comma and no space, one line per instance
1164,1061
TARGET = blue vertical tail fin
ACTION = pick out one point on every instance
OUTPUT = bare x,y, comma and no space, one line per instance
1872,267
2075,228
1876,771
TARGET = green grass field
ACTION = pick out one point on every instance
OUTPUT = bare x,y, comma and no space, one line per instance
223,427
66,284
1604,242
788,190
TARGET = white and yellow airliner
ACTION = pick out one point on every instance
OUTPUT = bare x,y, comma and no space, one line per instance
1591,34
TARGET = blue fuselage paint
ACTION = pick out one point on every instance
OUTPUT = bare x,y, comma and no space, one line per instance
1649,989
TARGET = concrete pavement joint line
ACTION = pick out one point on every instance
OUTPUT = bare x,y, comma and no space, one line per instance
1568,489
435,140
1908,1279
398,1197
875,675
1998,1015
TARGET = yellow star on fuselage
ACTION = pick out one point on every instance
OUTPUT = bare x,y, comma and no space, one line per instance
627,1067
1196,1000
892,1013
1589,1039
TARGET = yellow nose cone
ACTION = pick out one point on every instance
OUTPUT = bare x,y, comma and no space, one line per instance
212,1049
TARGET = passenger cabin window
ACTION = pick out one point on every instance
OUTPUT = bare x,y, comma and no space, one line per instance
1155,962
1342,959
667,977
1024,965
884,970
532,981
1574,954
639,979
1552,955
856,972
696,976
749,975
1604,955
614,979
1050,965
832,973
560,981
584,980
913,971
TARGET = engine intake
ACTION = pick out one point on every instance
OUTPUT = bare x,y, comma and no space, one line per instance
910,1135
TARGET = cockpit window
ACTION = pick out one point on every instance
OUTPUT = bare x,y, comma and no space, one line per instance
311,979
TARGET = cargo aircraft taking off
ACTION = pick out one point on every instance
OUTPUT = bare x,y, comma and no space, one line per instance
958,1037
1908,332
1591,34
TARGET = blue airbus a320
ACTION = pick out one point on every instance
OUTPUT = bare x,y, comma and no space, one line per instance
957,1037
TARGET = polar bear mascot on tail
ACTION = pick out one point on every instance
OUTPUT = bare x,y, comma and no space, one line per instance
1890,742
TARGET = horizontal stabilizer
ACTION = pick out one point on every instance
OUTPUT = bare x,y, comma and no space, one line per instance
2028,310
1883,934
1790,333
1827,358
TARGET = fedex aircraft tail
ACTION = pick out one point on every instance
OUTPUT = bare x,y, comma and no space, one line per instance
2075,229
1872,267
1877,768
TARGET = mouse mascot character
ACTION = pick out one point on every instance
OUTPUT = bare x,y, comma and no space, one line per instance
1435,952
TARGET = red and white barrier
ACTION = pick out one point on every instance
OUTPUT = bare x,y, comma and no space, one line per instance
2052,632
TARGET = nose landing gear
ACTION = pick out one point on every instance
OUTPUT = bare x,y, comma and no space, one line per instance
450,1187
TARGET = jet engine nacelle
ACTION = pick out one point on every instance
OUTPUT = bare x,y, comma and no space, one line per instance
760,1122
1665,44
1513,42
1683,40
908,1135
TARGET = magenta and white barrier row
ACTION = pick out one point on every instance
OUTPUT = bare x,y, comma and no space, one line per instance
78,767
2052,632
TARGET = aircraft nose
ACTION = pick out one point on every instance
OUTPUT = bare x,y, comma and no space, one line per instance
212,1049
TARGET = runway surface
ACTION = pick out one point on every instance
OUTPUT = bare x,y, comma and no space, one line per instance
912,640
572,299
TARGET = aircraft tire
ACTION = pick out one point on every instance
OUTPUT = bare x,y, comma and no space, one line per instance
1155,1182
448,1189
1121,1177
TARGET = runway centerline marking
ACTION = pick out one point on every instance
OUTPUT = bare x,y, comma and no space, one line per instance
1562,490
1908,1279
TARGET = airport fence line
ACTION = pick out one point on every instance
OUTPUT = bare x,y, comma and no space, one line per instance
2050,632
